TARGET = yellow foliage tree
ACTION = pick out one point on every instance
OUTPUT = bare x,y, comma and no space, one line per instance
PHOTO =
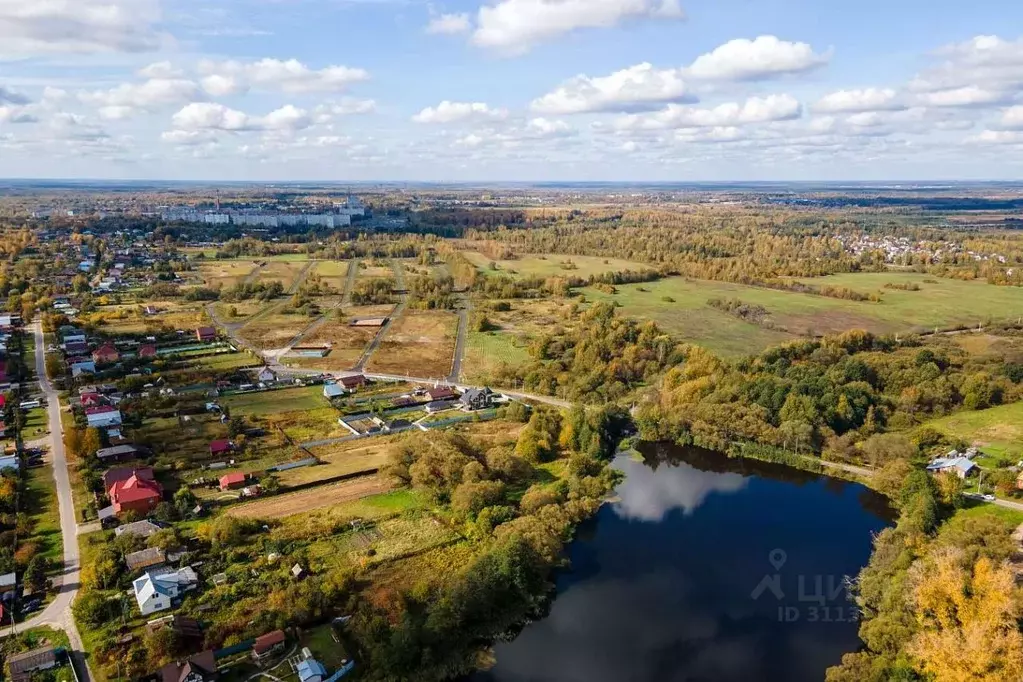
969,620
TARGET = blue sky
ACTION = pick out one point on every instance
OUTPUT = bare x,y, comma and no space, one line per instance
477,90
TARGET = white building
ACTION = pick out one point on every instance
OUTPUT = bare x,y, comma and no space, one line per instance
156,591
100,417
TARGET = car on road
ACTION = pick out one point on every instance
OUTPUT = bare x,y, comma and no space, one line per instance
31,605
989,498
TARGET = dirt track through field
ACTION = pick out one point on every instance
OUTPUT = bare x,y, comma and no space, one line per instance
308,500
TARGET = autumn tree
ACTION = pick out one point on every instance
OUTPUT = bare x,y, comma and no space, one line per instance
968,618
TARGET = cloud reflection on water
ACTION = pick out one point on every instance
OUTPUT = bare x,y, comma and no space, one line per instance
648,494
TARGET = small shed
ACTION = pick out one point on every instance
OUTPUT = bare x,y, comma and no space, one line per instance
23,665
331,391
311,670
220,447
233,481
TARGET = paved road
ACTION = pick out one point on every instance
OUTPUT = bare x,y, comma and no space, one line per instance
58,613
399,310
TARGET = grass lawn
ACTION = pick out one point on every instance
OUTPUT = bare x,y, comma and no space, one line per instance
242,310
36,423
552,265
226,272
347,342
333,273
281,400
680,306
286,272
340,459
274,329
42,509
997,431
375,269
287,504
487,352
325,646
226,361
973,509
421,343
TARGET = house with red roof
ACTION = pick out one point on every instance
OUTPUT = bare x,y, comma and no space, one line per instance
233,481
132,490
91,399
220,447
105,354
147,351
206,334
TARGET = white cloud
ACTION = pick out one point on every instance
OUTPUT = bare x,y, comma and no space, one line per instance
451,112
161,70
40,27
753,110
854,101
325,113
966,96
449,24
996,137
17,114
11,97
199,116
636,88
987,62
545,128
233,77
766,56
515,26
1012,118
128,99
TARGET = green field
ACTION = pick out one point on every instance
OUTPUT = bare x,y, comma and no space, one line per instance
998,431
552,265
680,306
42,509
487,352
270,402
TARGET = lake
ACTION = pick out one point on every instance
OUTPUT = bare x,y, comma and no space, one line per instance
704,568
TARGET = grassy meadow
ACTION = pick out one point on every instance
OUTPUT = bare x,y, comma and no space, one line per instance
552,265
679,306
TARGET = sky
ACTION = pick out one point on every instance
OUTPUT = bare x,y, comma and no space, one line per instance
511,90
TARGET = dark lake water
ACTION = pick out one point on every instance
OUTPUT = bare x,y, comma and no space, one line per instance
705,568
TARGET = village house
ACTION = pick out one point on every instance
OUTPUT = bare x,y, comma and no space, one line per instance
352,382
442,393
439,406
76,348
145,558
118,453
311,670
102,416
21,666
331,391
157,591
960,466
266,375
91,399
267,645
477,398
206,334
132,489
201,667
147,351
220,447
144,529
82,366
105,354
233,481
